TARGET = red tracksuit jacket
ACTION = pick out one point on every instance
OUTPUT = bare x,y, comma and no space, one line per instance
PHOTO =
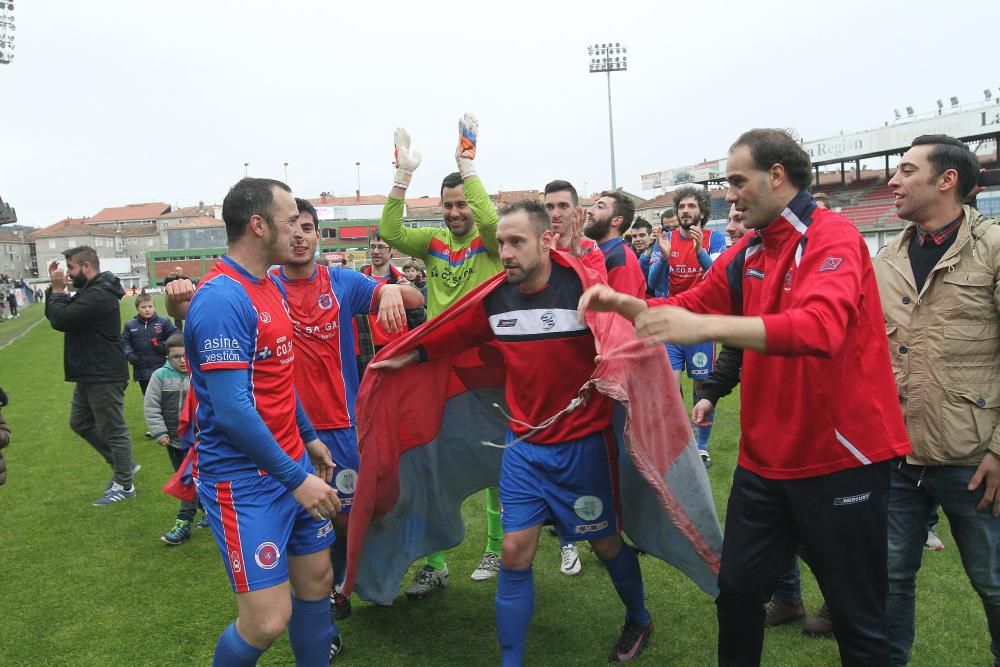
822,398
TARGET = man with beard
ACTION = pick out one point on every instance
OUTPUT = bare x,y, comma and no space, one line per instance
268,507
458,257
607,220
560,470
691,250
93,359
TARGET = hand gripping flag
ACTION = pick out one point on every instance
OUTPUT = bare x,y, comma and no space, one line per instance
421,458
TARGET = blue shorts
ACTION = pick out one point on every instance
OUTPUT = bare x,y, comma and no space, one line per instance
573,483
343,446
257,524
699,358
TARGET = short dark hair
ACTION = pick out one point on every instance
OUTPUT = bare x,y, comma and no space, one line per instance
534,209
563,186
642,223
83,253
175,340
410,264
452,180
623,207
668,213
305,206
700,195
770,146
142,298
249,197
950,153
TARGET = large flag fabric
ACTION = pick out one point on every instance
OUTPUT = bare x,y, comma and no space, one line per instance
425,433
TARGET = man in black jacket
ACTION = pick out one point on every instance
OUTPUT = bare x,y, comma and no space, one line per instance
93,359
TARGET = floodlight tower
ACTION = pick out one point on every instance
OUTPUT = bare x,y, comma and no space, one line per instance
6,32
608,57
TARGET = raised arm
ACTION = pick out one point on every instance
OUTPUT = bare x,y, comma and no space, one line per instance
409,241
483,212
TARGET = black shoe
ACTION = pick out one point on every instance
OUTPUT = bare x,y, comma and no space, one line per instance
202,522
633,639
336,646
340,605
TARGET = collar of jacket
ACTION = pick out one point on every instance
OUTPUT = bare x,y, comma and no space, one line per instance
791,224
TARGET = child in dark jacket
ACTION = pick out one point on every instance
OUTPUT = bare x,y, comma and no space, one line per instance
162,406
143,340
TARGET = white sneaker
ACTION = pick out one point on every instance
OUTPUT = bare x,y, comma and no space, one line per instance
933,542
571,565
488,568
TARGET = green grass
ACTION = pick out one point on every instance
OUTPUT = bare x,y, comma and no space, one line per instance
87,586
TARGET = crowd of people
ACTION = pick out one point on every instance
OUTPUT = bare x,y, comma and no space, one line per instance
870,389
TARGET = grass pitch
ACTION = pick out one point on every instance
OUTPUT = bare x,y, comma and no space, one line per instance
82,585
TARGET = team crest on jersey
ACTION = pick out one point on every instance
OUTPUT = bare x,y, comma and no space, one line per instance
265,353
548,320
830,264
788,281
267,555
588,508
325,301
699,359
157,328
265,317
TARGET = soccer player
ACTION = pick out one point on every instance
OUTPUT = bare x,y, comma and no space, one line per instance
268,509
691,250
820,415
561,470
458,257
322,302
607,220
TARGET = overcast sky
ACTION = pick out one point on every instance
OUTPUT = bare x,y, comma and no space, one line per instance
109,102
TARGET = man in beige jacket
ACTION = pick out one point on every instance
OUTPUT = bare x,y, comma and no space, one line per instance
938,282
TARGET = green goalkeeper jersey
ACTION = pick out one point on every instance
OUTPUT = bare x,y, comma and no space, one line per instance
455,264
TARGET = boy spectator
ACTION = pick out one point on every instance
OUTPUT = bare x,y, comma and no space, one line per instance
162,407
143,340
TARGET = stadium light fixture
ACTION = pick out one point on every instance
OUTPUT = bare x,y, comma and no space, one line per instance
7,30
940,105
898,115
909,111
607,58
954,101
246,169
988,94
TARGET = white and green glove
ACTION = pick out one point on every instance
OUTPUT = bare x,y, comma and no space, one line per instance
465,153
405,161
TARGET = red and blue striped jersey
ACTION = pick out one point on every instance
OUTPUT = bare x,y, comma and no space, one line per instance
237,321
322,308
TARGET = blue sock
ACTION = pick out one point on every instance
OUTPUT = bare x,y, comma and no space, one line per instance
234,651
515,603
704,432
311,631
338,558
627,578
